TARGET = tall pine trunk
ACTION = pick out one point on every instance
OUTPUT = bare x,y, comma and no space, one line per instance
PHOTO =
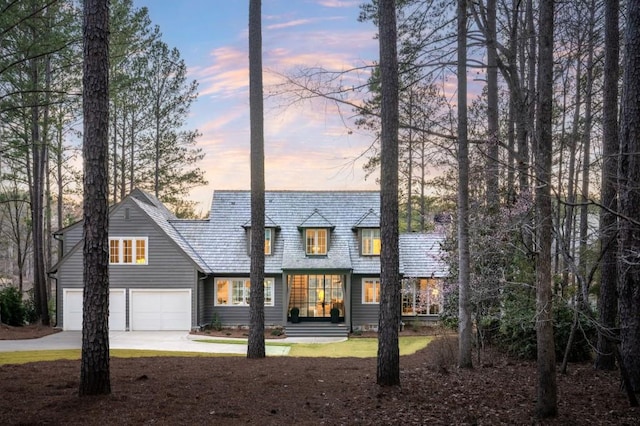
465,332
546,404
608,300
388,366
629,199
256,346
94,367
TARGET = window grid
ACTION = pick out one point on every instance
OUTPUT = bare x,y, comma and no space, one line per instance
371,242
128,251
370,290
237,291
316,241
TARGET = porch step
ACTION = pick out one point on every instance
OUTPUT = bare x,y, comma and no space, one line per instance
316,329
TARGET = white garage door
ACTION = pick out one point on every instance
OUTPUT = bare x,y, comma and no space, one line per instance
160,309
72,309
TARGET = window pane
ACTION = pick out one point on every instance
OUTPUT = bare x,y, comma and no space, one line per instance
222,293
371,291
267,241
311,245
127,251
114,251
268,292
408,298
247,292
237,292
141,252
371,241
322,241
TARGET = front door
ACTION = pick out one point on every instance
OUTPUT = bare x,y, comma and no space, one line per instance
316,295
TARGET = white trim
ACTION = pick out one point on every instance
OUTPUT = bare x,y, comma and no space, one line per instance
376,283
246,281
134,240
164,319
71,316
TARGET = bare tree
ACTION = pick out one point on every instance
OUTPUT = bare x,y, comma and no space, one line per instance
388,366
256,346
94,368
546,404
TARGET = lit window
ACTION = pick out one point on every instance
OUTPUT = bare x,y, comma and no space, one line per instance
267,241
316,241
236,291
370,290
421,297
371,242
128,251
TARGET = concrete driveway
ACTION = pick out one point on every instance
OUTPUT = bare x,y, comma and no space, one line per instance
179,341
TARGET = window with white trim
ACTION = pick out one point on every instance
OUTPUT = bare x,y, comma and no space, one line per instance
421,296
236,291
128,250
316,241
370,241
268,238
267,241
370,290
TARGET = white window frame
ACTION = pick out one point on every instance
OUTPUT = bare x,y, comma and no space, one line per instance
411,289
134,249
243,283
368,239
315,236
268,241
376,284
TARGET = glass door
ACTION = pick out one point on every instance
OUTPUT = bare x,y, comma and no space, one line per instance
315,295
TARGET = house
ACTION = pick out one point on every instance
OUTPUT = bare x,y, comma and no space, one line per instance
322,251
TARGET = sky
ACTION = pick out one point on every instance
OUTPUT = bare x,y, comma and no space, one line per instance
309,145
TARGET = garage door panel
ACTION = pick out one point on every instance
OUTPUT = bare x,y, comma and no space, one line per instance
72,309
160,309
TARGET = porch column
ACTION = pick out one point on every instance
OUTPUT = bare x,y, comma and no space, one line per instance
347,301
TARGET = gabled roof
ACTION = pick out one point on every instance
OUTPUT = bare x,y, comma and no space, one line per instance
316,220
371,219
227,253
164,219
160,216
268,223
421,255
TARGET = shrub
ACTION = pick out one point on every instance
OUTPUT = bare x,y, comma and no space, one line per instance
12,310
518,334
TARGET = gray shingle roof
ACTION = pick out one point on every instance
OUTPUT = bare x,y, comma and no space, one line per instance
421,255
371,219
230,210
163,217
219,244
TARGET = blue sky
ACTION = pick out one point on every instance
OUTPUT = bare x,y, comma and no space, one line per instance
307,145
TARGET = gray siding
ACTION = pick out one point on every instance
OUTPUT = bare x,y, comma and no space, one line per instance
71,237
239,315
168,266
362,315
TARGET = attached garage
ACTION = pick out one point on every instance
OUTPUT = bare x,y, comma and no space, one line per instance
160,309
72,309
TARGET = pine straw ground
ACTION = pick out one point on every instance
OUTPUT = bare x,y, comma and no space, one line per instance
309,391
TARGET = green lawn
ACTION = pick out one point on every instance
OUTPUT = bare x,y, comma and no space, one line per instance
359,348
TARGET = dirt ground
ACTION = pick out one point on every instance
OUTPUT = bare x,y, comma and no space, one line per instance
307,391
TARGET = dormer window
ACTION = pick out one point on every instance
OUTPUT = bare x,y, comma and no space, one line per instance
316,241
370,241
267,241
268,238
